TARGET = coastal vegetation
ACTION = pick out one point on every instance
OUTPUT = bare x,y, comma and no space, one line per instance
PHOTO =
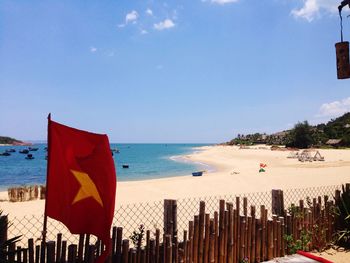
335,133
5,243
9,140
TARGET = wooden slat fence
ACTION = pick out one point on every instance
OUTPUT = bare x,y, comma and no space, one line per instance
227,236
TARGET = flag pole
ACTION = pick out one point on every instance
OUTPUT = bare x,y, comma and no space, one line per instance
47,176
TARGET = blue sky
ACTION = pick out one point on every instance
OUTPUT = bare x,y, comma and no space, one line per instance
169,71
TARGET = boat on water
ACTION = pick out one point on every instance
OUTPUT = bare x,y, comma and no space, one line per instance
25,151
200,173
29,157
33,149
125,166
115,150
10,150
5,154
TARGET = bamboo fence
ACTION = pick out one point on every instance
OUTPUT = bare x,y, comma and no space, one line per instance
228,236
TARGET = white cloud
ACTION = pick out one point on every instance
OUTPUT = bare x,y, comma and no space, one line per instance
110,54
149,12
144,32
335,108
93,49
166,24
222,2
314,8
131,17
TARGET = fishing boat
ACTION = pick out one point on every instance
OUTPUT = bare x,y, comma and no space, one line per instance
33,149
200,173
30,157
25,151
125,166
115,150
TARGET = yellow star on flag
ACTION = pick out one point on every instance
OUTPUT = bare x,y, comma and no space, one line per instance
87,188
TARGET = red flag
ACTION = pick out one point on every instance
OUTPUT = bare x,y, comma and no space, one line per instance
81,181
262,165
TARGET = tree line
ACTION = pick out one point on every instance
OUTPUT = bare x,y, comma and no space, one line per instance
303,135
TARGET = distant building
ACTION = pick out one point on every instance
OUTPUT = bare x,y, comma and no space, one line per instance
334,142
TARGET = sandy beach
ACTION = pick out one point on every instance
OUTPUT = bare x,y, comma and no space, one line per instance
235,171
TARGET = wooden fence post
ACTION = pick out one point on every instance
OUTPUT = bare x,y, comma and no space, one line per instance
118,249
50,246
3,232
221,232
168,249
277,202
258,242
253,237
31,250
125,251
201,231
72,253
170,218
270,246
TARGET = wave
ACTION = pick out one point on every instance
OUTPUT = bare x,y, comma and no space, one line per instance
200,165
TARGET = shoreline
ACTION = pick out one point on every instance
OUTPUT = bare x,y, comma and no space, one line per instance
183,167
176,158
236,172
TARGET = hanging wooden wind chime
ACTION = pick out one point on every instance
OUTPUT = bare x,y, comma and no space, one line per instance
342,49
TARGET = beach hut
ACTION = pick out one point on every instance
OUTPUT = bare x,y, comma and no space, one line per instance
334,142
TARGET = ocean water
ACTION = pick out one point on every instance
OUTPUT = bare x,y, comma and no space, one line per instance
146,161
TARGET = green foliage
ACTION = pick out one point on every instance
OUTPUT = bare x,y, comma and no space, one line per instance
343,215
301,136
138,236
303,243
317,235
4,246
295,211
244,260
8,140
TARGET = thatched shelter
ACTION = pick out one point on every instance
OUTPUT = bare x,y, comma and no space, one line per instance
334,142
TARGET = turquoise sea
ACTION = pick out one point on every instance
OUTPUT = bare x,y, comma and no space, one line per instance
146,161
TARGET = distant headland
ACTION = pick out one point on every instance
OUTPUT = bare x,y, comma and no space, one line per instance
11,141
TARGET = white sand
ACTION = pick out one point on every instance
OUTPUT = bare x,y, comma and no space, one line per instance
236,171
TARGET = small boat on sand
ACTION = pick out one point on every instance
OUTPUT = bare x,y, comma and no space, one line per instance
200,173
125,166
30,157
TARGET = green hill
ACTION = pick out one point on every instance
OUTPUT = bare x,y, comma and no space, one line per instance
317,136
9,140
